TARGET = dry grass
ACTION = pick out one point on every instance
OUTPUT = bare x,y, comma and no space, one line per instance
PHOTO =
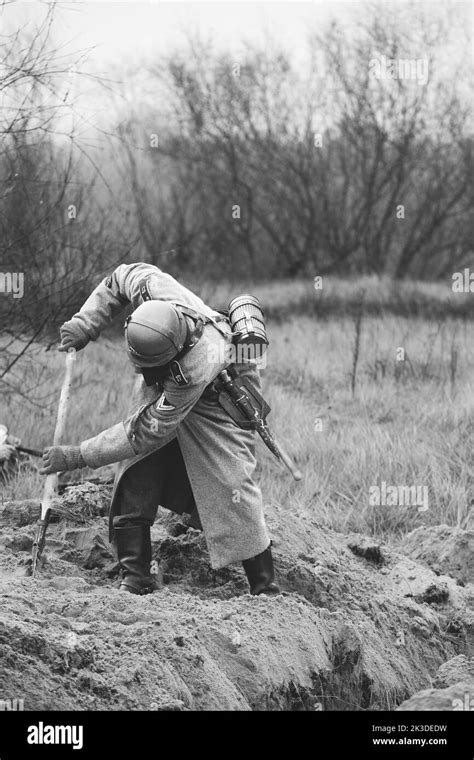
409,423
381,295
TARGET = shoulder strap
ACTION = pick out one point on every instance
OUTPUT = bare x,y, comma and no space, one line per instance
204,318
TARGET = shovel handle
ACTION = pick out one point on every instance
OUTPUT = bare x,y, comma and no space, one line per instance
51,482
64,398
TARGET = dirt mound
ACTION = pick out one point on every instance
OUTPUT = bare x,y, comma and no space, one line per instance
453,688
460,696
454,671
443,548
357,625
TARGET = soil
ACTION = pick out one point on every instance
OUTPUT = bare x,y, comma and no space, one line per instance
358,625
445,549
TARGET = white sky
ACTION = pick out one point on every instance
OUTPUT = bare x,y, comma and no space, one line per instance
129,30
123,34
146,26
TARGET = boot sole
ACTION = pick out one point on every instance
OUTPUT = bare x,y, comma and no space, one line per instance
135,590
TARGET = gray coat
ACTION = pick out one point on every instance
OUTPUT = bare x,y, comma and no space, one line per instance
218,455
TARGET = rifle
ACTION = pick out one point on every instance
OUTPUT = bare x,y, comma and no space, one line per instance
249,410
31,452
51,483
18,447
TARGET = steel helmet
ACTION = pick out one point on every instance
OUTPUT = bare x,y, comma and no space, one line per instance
155,333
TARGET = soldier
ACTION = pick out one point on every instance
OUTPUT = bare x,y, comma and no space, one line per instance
178,447
7,461
10,458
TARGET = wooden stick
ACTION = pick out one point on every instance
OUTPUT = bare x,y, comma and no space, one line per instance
51,484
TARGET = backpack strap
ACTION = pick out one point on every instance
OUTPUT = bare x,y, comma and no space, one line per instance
154,375
204,318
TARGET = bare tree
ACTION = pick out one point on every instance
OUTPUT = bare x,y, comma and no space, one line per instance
318,161
54,227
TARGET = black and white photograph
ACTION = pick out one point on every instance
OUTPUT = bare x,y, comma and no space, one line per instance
236,371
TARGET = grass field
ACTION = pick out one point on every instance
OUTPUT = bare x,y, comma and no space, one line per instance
349,423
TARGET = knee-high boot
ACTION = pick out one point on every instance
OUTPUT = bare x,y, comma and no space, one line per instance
260,573
134,556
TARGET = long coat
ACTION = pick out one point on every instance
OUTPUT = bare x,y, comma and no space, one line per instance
218,455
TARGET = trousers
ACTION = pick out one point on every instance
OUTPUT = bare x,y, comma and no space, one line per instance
158,479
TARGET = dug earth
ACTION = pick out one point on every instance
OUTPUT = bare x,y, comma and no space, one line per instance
358,625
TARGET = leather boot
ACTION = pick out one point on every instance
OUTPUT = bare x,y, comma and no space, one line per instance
134,556
260,574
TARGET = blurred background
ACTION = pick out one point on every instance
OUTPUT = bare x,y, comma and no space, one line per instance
255,147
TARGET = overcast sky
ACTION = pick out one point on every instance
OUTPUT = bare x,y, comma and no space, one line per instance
121,35
147,26
127,31
131,28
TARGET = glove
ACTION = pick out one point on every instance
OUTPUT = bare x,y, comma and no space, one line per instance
61,458
72,336
6,451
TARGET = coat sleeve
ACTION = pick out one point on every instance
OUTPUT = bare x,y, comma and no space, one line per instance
109,298
151,426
